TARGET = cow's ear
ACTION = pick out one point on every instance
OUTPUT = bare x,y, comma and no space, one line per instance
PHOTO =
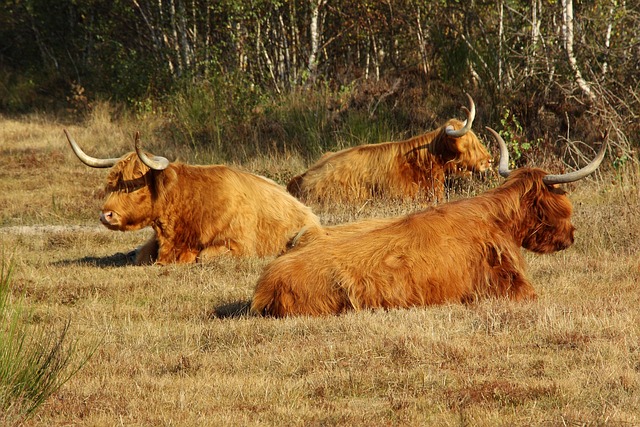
555,189
166,180
457,145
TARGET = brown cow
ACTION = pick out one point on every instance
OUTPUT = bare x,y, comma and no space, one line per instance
197,211
455,252
414,168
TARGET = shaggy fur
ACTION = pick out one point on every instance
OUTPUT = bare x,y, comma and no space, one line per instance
415,168
455,252
201,211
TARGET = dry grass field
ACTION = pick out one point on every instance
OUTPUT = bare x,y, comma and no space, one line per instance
570,358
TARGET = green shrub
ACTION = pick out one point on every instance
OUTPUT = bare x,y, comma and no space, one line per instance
513,134
234,121
314,121
300,120
34,362
212,113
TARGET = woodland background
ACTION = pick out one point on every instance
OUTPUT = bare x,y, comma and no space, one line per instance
307,75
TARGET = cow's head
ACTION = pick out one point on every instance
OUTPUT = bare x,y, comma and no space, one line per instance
545,209
460,147
457,145
132,186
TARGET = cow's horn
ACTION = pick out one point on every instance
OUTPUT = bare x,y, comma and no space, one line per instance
566,178
471,114
155,162
503,166
580,173
88,160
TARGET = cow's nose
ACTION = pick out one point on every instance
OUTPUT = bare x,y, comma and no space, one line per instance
106,217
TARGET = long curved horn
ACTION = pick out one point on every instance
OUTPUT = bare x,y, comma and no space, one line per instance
155,162
580,173
566,178
88,160
471,114
503,166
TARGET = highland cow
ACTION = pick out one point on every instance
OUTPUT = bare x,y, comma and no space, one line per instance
455,252
197,212
412,169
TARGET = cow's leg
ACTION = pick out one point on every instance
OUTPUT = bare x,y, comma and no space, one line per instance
212,252
224,247
521,289
187,256
507,277
169,253
147,253
293,286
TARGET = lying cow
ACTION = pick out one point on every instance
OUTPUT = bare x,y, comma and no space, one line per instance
412,169
197,212
455,252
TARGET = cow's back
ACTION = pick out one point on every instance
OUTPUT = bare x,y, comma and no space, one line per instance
440,255
226,207
352,174
274,215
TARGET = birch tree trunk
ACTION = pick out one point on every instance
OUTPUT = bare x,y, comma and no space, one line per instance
500,37
607,41
186,50
173,40
567,35
315,37
157,33
422,43
535,38
261,49
295,41
285,65
377,54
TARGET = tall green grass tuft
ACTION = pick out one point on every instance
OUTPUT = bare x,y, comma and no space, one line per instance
34,362
300,121
234,121
312,122
212,113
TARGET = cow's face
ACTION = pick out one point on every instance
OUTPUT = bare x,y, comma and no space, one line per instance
544,211
465,153
129,201
548,226
132,185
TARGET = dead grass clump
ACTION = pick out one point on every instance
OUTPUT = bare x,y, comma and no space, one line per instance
499,393
495,317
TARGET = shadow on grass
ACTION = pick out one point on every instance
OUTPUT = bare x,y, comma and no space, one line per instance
116,260
232,310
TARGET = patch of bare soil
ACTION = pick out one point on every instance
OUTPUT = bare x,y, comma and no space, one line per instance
40,229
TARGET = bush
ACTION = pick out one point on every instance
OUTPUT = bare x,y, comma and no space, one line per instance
211,113
34,362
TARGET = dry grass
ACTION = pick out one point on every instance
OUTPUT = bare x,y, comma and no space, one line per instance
570,358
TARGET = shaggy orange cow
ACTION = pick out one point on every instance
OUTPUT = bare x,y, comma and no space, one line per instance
415,168
197,212
456,252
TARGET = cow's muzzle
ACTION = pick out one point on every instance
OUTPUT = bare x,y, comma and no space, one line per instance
110,220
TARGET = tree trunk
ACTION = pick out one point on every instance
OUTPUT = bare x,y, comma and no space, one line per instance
315,38
607,42
500,37
567,35
261,48
535,38
185,47
422,43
